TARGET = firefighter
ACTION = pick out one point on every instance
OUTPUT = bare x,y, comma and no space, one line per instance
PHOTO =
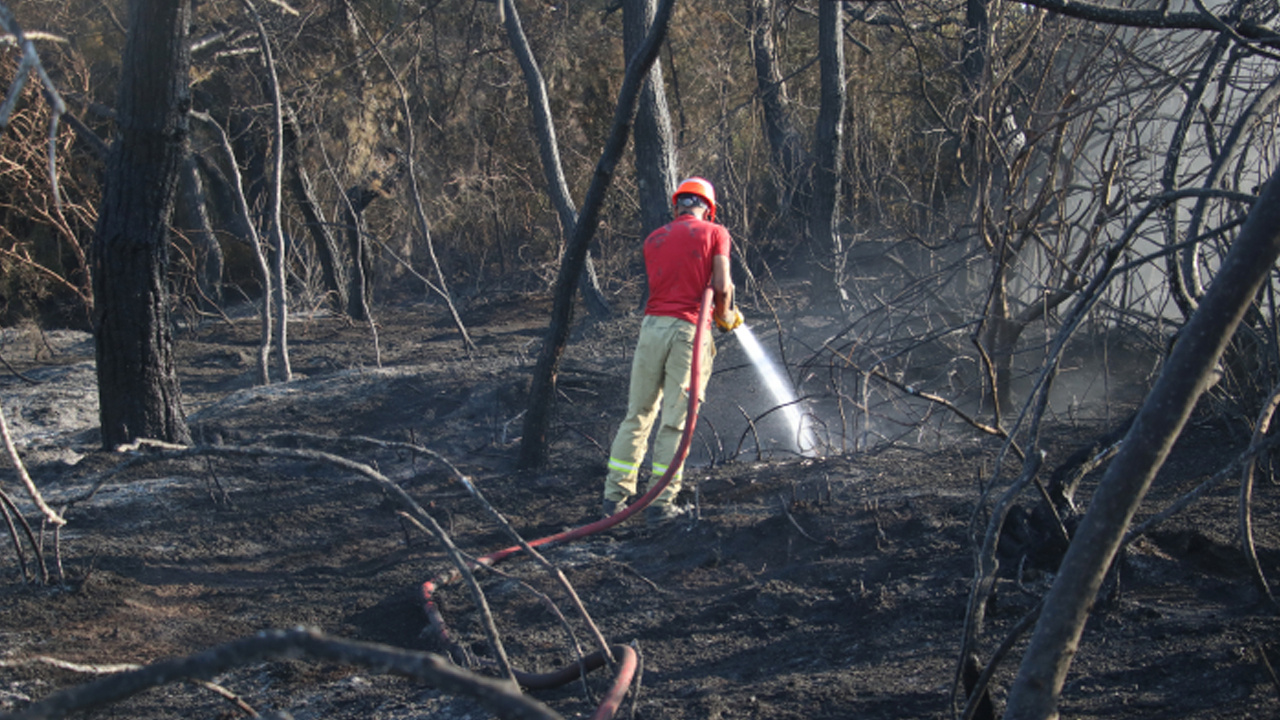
682,259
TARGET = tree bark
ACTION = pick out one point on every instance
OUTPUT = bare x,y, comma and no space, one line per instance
533,443
138,389
358,290
333,268
1187,373
653,141
780,129
975,45
191,216
828,141
280,294
549,152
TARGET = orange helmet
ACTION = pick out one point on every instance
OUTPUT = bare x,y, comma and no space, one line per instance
701,188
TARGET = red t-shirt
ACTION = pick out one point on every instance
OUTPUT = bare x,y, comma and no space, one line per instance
677,257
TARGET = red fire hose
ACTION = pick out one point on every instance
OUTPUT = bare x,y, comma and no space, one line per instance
627,664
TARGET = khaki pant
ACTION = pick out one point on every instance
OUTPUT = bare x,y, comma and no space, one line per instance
659,373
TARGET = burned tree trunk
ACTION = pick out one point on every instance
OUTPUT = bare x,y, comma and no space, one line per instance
192,218
828,143
333,265
785,147
549,152
533,444
359,285
653,142
138,389
1188,372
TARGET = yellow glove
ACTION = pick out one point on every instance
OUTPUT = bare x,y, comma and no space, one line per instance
730,320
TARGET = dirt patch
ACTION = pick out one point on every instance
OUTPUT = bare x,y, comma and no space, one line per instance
804,588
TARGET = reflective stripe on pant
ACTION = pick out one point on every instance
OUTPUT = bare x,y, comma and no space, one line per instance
659,372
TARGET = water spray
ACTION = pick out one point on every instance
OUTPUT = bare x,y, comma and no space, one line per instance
780,388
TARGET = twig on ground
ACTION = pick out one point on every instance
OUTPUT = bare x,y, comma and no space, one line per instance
16,373
222,496
375,442
751,429
564,623
463,566
57,551
541,560
585,436
783,502
655,586
1266,664
5,507
716,451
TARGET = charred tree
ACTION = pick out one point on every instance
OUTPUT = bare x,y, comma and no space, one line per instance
333,263
138,389
654,145
359,284
275,179
1187,374
533,443
192,217
828,142
549,153
786,149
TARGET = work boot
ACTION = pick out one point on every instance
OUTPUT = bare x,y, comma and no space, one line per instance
657,516
613,507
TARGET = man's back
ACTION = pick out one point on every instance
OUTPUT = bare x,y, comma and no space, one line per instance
677,258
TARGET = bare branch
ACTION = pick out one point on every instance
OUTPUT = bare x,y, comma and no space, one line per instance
1159,20
32,490
31,61
300,644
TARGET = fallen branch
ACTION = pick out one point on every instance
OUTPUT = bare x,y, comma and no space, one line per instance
125,667
412,508
36,498
608,654
554,571
463,566
498,697
16,373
